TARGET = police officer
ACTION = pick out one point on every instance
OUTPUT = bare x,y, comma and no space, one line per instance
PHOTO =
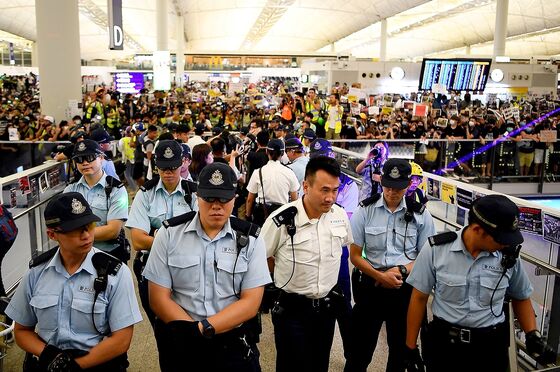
303,241
298,160
270,186
206,275
64,320
471,272
106,196
388,230
159,199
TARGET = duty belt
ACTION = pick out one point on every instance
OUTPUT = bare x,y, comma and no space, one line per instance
294,300
466,335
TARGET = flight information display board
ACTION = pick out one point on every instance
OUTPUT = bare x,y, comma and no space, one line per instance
129,82
455,74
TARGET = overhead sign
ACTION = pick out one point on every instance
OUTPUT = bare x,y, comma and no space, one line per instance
116,33
129,82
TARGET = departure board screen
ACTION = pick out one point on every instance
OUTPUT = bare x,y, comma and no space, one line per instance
455,74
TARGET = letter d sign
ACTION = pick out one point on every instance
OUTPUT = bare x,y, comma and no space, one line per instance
116,33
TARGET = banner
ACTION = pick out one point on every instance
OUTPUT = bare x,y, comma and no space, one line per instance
530,220
551,228
448,193
464,198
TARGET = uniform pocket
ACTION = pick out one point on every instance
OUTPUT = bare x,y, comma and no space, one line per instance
81,315
487,286
452,287
226,271
46,310
302,247
406,238
339,236
376,237
185,272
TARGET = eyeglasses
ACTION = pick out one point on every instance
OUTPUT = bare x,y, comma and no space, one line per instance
219,200
169,169
78,231
88,158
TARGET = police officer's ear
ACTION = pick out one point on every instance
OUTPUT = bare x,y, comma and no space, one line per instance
50,234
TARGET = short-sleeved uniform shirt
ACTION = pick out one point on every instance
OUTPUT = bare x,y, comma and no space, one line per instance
60,305
298,167
203,274
463,284
317,247
116,208
384,235
151,207
277,180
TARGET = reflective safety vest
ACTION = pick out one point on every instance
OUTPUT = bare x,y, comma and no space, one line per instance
98,106
338,121
113,120
310,108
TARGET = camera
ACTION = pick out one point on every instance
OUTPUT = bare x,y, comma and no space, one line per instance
375,152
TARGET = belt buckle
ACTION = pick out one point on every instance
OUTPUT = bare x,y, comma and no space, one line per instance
465,336
315,303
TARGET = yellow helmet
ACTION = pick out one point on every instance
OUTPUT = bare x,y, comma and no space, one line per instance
416,170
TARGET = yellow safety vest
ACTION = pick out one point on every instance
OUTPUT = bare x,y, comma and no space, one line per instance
310,108
114,121
338,122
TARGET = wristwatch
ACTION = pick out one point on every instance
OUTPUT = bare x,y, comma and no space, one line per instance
208,330
403,270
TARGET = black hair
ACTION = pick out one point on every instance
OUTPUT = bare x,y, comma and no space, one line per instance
166,136
262,138
218,145
152,128
324,163
274,154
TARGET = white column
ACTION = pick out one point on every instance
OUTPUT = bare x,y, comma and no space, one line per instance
58,43
383,41
180,52
500,30
34,55
161,59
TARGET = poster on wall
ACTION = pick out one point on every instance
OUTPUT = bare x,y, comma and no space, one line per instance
551,228
24,185
43,182
434,188
448,193
461,216
530,220
464,198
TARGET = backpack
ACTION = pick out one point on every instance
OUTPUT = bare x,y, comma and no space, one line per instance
8,229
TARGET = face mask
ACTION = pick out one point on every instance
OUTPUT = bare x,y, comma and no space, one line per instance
509,129
471,123
452,122
528,130
78,122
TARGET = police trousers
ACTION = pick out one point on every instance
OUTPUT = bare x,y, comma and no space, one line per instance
233,351
304,331
118,364
373,306
138,266
456,348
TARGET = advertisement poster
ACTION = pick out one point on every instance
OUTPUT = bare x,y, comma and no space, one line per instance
434,188
551,228
530,220
448,193
420,110
464,198
43,182
24,185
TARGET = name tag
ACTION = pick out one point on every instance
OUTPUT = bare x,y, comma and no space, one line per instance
229,250
337,222
86,290
493,268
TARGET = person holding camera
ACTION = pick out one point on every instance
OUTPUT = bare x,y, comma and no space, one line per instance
271,186
370,170
389,230
304,241
470,272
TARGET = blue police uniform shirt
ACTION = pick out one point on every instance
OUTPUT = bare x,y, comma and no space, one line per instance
198,270
298,166
383,234
151,207
97,199
109,168
464,285
60,305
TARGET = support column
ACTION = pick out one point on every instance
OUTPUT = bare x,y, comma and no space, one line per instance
161,58
180,52
58,43
500,29
383,41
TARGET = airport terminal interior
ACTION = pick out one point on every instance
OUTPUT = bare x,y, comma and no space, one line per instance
279,185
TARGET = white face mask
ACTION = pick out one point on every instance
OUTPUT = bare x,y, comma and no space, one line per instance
452,122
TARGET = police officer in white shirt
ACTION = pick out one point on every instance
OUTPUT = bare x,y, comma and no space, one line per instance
304,242
271,186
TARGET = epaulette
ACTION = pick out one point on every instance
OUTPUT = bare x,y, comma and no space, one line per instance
107,262
414,206
443,238
189,186
177,220
150,184
245,227
369,201
43,257
111,183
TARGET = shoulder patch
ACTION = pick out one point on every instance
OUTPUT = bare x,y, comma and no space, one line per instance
105,263
150,184
43,257
371,200
178,220
245,227
414,206
189,186
113,182
443,238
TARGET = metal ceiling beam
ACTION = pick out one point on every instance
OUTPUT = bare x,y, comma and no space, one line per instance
95,14
270,14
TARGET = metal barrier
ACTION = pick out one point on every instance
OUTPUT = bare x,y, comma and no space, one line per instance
540,257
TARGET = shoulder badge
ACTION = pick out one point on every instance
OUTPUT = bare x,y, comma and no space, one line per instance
245,227
43,257
178,220
189,186
150,184
443,238
369,201
414,205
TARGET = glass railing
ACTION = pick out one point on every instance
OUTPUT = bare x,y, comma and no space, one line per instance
448,203
17,156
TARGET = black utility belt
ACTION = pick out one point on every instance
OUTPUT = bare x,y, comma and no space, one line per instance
466,335
294,300
366,280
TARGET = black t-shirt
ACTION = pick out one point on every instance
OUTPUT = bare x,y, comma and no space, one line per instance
458,131
348,132
256,159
